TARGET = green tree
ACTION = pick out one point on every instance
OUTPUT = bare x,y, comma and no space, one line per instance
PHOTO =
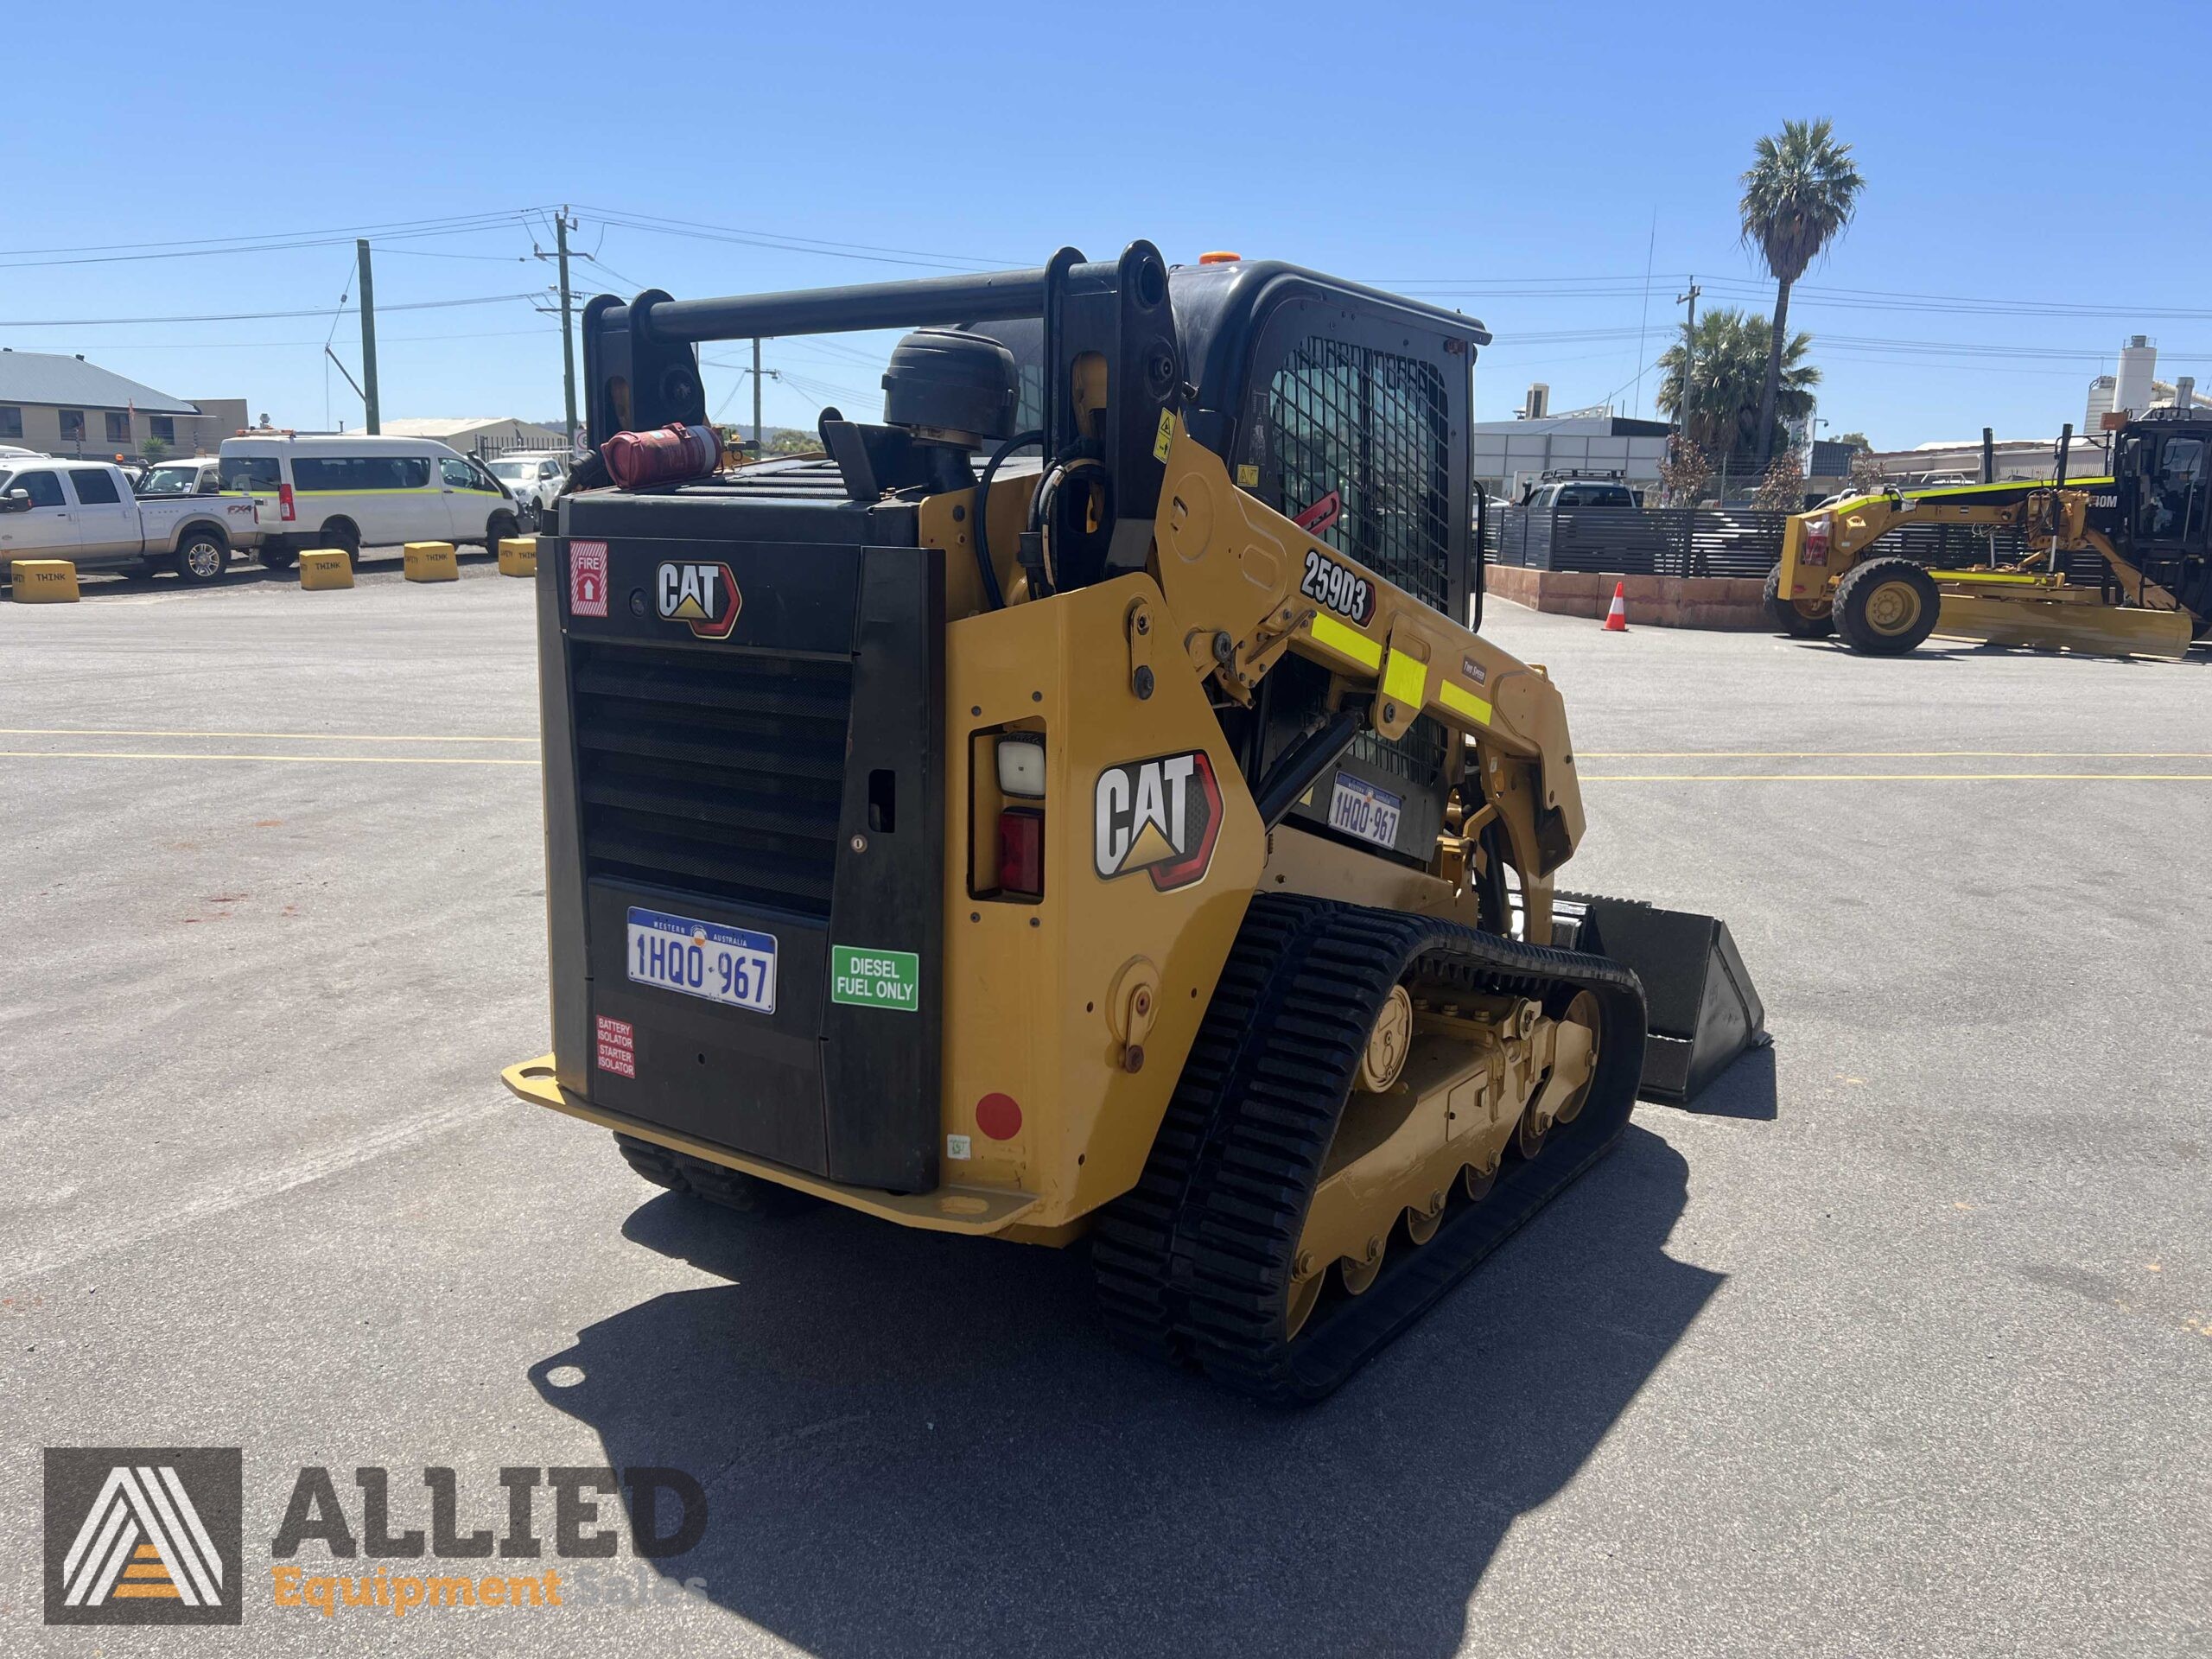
1799,193
152,450
1853,441
1732,351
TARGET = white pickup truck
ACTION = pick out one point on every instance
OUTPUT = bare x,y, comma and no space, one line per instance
87,512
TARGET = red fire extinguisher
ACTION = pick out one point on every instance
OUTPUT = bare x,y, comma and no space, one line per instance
674,452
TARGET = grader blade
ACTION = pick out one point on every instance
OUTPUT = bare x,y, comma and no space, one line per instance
1702,1009
2054,624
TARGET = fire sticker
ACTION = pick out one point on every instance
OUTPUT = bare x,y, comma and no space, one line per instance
1160,816
587,578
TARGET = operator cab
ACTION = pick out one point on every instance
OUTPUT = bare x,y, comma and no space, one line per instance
2162,474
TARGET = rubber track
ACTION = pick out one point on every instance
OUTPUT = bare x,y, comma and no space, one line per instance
1193,1264
730,1188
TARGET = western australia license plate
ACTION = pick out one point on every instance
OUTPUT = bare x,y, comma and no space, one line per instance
704,959
1357,808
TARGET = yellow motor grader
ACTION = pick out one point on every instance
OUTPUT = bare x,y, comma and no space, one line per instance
2149,593
1072,806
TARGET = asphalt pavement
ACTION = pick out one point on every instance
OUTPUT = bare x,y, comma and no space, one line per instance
1903,1344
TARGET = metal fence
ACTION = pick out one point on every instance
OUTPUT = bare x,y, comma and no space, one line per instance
1635,541
1717,542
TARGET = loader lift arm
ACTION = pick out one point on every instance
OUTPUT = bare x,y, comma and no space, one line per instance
1248,585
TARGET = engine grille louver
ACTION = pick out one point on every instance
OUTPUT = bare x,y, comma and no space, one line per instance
712,772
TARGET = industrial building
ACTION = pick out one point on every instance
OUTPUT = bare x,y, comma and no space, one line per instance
59,405
2134,388
1510,454
479,434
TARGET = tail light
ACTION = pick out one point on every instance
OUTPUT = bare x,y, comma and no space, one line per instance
1022,852
285,510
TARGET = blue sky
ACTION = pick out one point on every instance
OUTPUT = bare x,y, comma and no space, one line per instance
2035,193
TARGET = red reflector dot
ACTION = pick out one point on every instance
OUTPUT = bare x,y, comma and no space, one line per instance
998,1117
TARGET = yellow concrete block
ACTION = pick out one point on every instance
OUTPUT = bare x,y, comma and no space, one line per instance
519,555
44,581
430,561
326,567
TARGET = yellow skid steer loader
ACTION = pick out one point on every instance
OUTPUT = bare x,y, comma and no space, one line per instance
1072,806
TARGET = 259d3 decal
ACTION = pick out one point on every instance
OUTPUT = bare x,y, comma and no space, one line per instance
1338,586
1160,816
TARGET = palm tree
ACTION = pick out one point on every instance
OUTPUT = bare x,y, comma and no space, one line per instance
1732,353
1799,193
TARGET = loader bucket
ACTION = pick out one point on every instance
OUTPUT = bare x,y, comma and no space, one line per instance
1702,1009
2051,624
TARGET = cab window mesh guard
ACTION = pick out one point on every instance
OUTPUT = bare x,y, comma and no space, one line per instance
1372,426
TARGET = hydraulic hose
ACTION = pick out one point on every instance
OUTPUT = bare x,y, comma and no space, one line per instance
984,569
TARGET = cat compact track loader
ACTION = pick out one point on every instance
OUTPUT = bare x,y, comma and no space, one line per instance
1072,805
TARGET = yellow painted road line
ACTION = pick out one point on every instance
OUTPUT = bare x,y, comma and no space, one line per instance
254,737
1897,777
308,759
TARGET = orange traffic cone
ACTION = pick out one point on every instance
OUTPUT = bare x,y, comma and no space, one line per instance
1617,617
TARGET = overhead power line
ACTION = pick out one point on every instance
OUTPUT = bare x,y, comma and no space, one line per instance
542,332
869,252
402,230
250,317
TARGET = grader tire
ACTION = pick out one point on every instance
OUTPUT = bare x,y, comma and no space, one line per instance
1886,606
1800,619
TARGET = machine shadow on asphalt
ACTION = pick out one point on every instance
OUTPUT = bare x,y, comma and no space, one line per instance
909,1439
1746,1090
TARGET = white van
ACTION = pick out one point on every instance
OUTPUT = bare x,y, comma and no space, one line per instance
362,491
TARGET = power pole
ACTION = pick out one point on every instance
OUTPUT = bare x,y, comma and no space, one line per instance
560,228
1682,392
760,438
1690,354
373,412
